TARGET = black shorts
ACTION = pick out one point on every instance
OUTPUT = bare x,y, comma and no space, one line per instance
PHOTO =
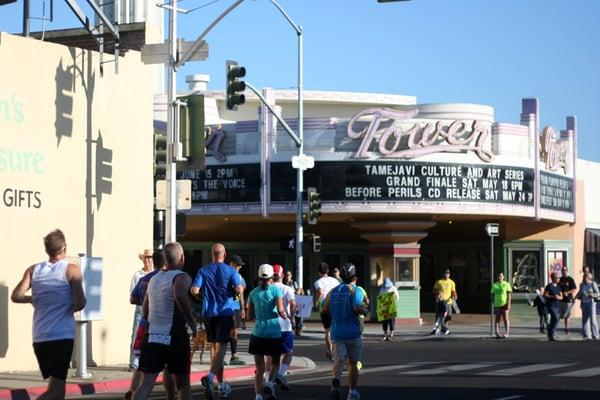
326,320
176,356
54,357
265,346
218,329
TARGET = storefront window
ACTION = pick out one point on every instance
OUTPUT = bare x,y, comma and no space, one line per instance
526,274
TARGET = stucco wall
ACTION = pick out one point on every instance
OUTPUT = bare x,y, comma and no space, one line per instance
59,122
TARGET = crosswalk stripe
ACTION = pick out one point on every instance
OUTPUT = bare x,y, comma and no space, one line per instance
447,369
580,373
523,369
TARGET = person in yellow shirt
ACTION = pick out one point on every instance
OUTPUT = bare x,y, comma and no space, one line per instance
447,287
502,294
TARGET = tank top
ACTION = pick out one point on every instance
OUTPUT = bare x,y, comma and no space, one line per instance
52,302
164,317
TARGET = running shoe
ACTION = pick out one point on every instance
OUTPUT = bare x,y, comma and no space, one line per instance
353,395
224,390
269,391
447,332
209,388
282,383
434,332
336,392
258,397
236,361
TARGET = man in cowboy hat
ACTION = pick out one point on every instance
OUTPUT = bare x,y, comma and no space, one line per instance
146,257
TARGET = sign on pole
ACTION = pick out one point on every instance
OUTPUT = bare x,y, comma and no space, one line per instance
184,194
492,229
303,162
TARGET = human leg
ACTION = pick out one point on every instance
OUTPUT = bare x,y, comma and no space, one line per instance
586,321
169,384
53,359
145,387
594,321
259,362
553,321
133,358
55,390
182,382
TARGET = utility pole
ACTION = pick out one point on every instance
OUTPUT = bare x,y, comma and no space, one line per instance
172,136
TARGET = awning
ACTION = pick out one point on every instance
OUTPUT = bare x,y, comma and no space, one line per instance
592,240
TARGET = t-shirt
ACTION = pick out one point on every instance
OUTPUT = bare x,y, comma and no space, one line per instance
288,295
446,286
500,291
554,291
567,283
263,300
325,283
218,282
345,324
139,291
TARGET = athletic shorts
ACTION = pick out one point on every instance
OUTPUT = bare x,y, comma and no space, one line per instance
326,320
564,309
54,357
288,341
218,329
347,348
498,310
175,356
265,346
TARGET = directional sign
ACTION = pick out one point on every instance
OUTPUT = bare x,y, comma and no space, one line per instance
303,162
158,53
492,229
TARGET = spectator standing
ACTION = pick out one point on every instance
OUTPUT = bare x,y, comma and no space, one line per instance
588,295
219,283
146,258
298,320
56,293
569,288
287,335
388,287
167,309
239,316
344,303
336,274
266,304
552,295
540,304
322,286
447,287
502,295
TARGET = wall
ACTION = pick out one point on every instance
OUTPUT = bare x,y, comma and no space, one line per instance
589,171
75,154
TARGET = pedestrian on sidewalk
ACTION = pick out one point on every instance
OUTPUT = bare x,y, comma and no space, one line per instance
588,296
540,304
568,288
239,312
287,335
441,312
56,293
137,297
265,305
146,258
388,287
298,321
322,286
447,287
501,296
553,295
344,304
219,283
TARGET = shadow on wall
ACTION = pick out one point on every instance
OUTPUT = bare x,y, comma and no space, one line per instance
65,83
3,320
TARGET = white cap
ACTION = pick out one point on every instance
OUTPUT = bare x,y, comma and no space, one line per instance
265,271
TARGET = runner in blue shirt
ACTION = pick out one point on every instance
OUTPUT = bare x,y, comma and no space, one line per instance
345,303
219,283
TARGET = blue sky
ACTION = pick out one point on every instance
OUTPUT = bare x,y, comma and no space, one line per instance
492,52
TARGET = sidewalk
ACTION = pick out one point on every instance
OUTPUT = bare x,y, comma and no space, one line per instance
116,379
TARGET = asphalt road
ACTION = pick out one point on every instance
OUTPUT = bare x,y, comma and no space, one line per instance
447,368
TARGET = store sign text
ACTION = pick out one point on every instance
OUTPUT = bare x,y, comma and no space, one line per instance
395,142
21,198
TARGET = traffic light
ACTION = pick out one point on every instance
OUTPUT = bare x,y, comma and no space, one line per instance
314,205
160,155
191,123
234,95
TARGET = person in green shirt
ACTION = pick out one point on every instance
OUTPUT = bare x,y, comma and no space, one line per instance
502,293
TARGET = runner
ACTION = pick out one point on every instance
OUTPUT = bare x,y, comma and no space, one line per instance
167,309
239,316
219,283
323,285
266,304
344,304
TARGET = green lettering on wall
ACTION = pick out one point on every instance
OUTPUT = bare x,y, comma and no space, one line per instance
11,110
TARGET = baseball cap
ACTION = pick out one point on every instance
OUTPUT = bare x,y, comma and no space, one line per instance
265,271
237,259
278,270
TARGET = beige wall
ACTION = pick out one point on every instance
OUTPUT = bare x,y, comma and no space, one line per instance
53,165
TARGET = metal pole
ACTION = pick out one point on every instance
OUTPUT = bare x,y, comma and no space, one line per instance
26,18
82,355
300,177
170,217
491,285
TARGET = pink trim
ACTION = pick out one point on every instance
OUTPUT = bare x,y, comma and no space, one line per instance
397,251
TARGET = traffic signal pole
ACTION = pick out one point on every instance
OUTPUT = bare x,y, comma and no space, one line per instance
172,140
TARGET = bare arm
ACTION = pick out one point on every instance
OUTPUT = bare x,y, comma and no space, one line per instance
181,284
195,291
75,279
293,307
317,297
280,307
18,294
249,311
242,303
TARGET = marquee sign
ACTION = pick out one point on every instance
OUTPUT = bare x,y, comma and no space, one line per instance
554,152
419,140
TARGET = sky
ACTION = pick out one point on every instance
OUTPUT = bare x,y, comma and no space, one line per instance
492,52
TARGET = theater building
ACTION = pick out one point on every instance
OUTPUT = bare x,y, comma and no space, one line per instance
406,191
